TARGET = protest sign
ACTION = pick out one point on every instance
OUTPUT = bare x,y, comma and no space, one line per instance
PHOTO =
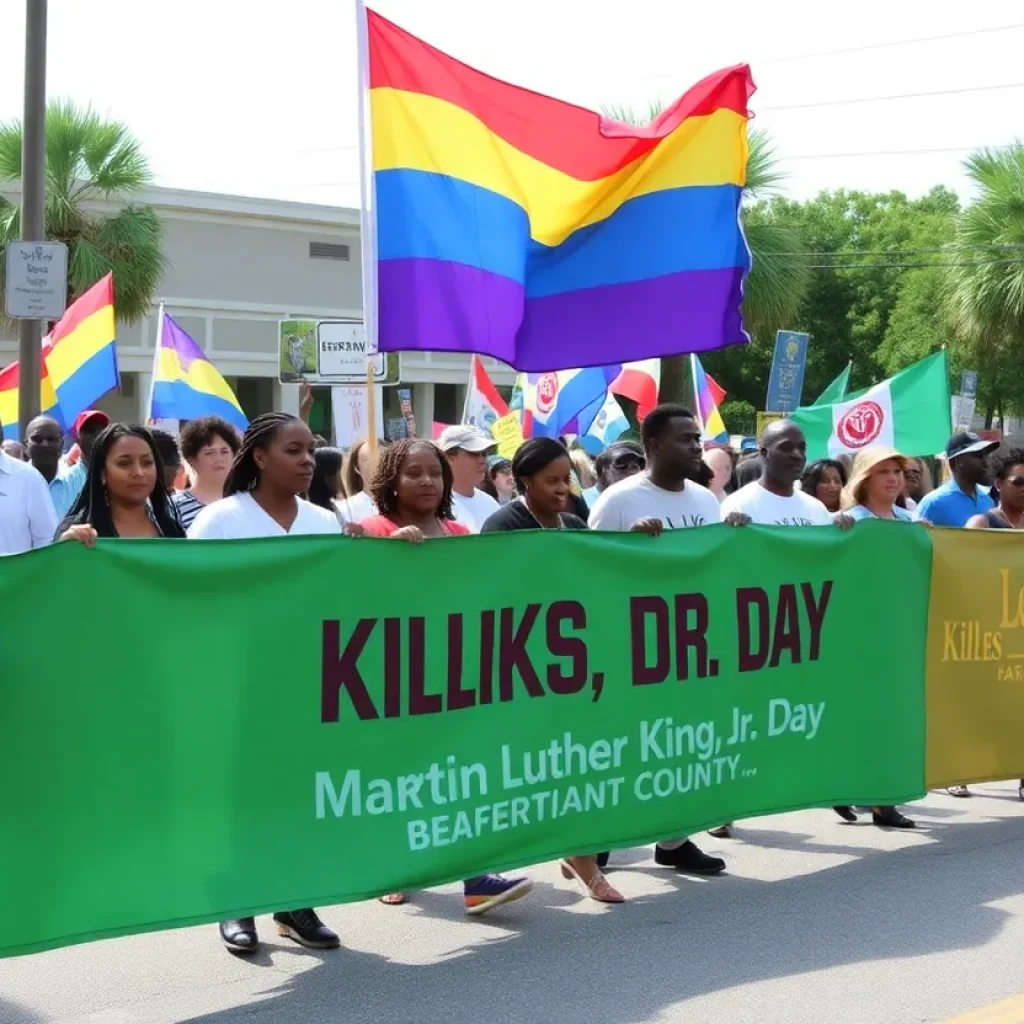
330,743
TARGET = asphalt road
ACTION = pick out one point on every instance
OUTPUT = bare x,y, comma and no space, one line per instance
815,921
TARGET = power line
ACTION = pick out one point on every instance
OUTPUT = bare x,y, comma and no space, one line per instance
894,43
895,96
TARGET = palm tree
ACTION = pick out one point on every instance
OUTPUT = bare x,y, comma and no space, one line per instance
777,283
90,159
986,283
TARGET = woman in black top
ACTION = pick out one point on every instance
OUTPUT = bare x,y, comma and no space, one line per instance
542,472
543,475
1008,490
124,493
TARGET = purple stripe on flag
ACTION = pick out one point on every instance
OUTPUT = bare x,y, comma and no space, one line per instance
431,305
174,337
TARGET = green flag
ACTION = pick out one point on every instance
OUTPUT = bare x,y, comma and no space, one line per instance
909,412
837,389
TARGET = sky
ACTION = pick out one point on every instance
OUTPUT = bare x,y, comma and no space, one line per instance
223,101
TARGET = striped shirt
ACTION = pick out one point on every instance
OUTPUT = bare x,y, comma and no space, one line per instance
187,506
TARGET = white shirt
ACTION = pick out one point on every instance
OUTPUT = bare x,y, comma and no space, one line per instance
239,517
27,518
768,509
355,509
636,497
473,512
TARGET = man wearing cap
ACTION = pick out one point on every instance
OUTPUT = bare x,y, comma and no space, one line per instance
466,449
960,498
45,444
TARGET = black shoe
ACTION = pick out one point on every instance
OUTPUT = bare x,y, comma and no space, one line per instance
846,813
889,817
240,936
305,928
689,858
602,858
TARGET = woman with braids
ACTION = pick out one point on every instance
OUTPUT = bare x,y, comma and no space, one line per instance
261,499
542,471
124,493
412,488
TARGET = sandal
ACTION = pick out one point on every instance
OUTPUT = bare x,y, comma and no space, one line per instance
392,899
598,888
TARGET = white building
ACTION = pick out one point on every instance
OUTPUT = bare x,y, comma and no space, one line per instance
237,266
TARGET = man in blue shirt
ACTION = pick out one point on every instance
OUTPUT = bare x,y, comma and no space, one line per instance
955,502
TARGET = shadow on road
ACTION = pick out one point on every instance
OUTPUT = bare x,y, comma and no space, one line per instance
636,960
12,1013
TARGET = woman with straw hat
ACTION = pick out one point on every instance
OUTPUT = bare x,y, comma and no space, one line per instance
876,483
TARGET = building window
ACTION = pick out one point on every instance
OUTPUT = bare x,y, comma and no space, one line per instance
446,404
328,251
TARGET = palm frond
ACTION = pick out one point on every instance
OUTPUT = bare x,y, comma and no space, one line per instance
88,157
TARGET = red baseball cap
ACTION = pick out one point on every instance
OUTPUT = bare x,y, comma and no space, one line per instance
90,414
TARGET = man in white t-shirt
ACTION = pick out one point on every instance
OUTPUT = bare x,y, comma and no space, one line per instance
774,499
664,496
466,449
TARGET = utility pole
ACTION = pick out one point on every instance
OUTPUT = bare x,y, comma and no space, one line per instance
33,196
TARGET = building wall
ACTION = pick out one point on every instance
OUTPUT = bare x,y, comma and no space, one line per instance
236,266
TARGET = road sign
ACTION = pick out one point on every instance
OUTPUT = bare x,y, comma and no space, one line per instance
331,352
787,380
37,280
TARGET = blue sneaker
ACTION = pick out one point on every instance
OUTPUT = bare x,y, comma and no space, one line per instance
487,891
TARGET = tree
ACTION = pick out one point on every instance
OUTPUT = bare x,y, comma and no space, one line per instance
777,280
986,280
89,159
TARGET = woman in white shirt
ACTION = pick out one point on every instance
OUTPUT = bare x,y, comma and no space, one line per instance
272,468
357,472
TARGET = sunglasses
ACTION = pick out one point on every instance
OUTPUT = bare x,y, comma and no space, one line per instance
628,462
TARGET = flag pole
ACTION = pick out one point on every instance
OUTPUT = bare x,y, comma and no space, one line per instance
156,357
367,218
696,398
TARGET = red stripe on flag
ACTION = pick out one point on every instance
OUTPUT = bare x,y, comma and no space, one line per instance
639,387
715,388
485,386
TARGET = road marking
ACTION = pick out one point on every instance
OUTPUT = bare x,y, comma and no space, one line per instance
1009,1011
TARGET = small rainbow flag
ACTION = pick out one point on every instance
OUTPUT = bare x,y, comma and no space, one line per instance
709,398
514,225
79,360
186,385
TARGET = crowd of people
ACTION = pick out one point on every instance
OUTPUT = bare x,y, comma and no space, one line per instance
125,481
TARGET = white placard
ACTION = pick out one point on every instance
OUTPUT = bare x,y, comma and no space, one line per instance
352,414
341,352
37,280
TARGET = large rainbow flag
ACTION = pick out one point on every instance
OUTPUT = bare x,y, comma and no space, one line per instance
515,225
79,360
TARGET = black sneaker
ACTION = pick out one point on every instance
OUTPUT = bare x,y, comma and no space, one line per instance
889,817
846,813
240,936
689,858
305,928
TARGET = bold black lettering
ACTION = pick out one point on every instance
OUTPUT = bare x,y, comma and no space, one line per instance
575,678
643,673
458,698
787,627
816,614
691,637
512,653
342,670
392,668
749,658
420,702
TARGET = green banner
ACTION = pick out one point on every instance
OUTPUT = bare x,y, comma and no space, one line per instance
200,731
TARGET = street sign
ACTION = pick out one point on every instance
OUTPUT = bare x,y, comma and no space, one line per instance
964,410
787,380
37,280
331,352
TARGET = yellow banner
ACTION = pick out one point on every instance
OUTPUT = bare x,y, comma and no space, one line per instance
975,667
508,432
